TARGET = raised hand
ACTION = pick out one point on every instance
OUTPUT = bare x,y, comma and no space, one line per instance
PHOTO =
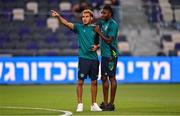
54,13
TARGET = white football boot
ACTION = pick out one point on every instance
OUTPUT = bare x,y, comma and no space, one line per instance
95,108
79,107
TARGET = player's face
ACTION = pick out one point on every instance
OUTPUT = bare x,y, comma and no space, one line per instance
86,18
105,14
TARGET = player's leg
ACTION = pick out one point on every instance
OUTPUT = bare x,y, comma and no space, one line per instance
105,87
79,90
93,74
93,90
113,89
112,74
110,106
79,95
105,81
94,106
82,74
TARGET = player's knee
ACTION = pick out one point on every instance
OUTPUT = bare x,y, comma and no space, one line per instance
104,79
80,82
94,82
113,81
106,85
105,82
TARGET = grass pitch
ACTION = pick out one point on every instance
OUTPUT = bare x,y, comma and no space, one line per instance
131,99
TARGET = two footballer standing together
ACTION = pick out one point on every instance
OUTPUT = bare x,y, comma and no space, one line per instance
88,37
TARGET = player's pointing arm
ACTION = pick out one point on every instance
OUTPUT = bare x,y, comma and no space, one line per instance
62,20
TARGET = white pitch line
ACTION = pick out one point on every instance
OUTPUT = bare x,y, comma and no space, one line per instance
66,113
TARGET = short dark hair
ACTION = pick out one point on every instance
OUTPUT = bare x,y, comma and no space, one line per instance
109,8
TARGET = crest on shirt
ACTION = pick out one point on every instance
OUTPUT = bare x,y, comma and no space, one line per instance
105,28
81,75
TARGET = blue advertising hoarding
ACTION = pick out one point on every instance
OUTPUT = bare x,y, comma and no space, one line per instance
63,70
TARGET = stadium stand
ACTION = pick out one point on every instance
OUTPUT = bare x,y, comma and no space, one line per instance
147,27
27,29
124,46
18,14
162,16
32,6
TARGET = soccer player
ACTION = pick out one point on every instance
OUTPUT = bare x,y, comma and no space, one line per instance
88,63
108,30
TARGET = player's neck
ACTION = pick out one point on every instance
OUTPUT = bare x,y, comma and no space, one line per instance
87,24
107,19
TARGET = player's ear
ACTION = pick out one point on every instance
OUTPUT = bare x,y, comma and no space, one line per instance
91,18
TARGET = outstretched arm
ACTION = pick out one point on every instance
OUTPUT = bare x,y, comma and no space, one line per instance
106,39
62,20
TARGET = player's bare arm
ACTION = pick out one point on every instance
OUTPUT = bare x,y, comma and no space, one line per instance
62,20
106,39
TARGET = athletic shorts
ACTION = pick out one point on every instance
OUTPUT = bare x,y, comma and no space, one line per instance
88,67
108,66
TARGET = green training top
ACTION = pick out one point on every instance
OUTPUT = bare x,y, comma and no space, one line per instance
109,28
86,38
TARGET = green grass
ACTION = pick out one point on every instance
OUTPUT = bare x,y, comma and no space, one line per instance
131,99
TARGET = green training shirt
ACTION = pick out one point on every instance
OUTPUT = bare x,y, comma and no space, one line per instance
86,38
109,29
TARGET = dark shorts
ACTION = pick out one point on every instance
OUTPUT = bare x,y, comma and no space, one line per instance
88,67
108,66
